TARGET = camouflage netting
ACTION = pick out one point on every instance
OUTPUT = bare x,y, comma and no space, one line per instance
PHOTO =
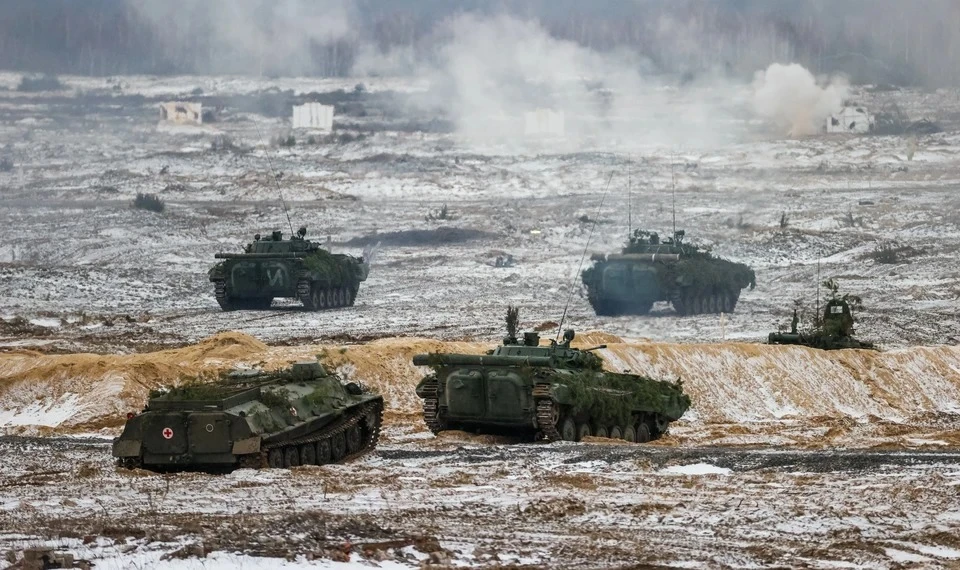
705,273
611,399
334,268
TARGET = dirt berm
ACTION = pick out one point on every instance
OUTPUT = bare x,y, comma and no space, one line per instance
742,393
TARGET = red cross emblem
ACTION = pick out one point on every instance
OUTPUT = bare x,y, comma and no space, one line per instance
167,433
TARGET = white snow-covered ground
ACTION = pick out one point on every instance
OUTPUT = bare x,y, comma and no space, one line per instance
85,271
461,501
80,270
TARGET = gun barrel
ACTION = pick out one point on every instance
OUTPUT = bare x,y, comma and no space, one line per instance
663,257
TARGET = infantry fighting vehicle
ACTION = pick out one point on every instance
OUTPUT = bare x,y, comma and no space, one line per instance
296,267
552,392
301,415
834,329
649,270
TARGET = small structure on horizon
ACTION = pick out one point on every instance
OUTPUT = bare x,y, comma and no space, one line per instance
851,119
182,113
543,122
313,116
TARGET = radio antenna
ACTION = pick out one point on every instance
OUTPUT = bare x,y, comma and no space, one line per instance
582,256
273,172
673,193
629,210
816,317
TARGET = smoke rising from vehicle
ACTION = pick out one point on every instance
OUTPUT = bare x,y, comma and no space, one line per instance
791,97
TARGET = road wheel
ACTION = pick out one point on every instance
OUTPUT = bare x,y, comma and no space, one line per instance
643,433
583,430
727,301
353,439
291,456
630,434
338,447
351,296
568,429
275,459
600,431
323,451
616,432
308,454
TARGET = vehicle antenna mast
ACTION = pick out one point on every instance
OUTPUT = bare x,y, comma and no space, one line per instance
629,210
582,256
276,181
673,193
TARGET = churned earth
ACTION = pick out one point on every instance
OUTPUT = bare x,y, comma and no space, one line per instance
789,457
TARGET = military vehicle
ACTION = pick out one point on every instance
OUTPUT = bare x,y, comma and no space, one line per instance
649,270
301,415
832,331
552,392
296,268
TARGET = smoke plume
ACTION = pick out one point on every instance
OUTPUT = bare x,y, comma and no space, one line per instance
790,96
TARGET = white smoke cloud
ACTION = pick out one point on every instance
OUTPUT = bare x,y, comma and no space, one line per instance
490,70
790,96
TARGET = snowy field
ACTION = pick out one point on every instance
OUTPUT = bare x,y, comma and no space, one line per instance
458,501
82,271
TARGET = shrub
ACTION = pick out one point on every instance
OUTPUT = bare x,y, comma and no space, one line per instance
150,202
41,83
289,141
892,252
6,164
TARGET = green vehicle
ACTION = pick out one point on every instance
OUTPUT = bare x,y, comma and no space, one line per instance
301,415
293,268
550,392
832,331
649,270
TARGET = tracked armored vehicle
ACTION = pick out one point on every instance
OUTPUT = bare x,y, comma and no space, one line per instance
294,268
301,415
552,392
649,270
833,330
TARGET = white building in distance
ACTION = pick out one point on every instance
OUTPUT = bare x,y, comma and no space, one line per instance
543,122
313,116
182,113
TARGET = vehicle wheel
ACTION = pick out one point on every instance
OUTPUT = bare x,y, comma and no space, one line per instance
275,459
583,430
291,456
308,454
342,291
712,303
323,451
312,303
643,433
338,447
351,299
353,439
727,302
568,430
616,433
630,434
329,298
600,431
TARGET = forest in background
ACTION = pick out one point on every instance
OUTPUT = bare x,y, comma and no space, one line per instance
871,41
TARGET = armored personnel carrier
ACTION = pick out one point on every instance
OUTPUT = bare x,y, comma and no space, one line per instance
301,415
833,330
649,270
297,268
551,392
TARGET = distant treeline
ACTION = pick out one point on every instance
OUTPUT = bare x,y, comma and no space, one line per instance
875,41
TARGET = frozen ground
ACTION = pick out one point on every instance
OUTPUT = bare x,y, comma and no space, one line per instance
80,271
459,501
